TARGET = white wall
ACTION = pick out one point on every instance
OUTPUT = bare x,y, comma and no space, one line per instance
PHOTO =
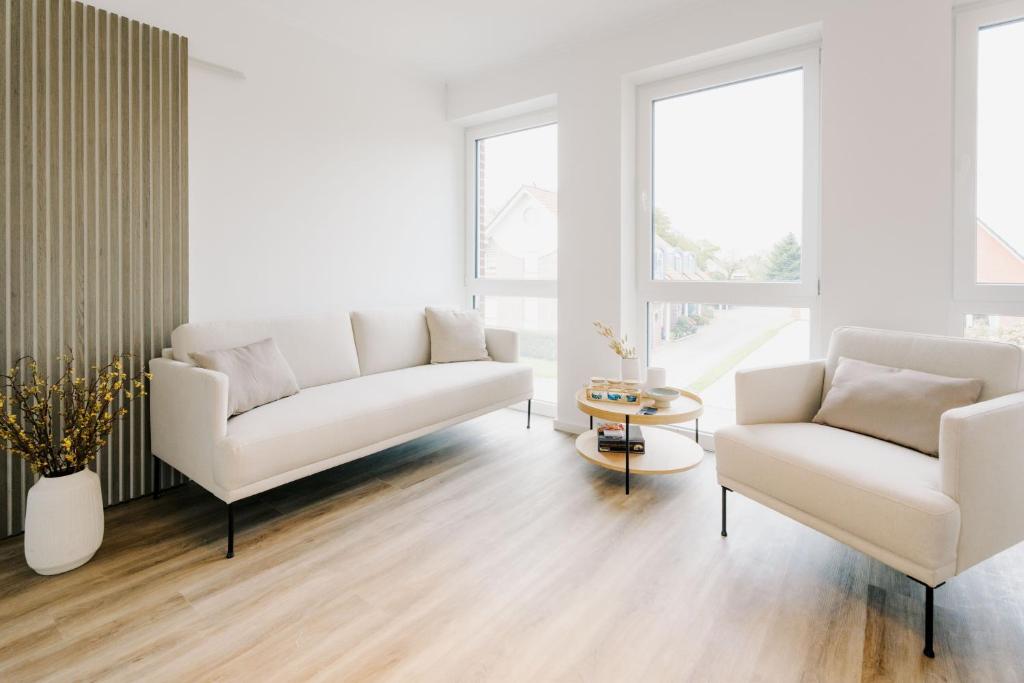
886,159
321,181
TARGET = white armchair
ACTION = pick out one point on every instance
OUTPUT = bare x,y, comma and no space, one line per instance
930,518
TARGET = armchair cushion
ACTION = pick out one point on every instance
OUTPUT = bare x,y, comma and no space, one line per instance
895,404
887,495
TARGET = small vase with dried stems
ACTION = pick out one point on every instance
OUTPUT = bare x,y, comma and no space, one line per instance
58,428
630,363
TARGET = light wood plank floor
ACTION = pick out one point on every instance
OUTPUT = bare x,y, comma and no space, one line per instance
488,552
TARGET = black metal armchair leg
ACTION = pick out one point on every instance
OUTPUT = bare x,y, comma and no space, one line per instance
529,410
231,531
156,477
929,621
929,616
724,491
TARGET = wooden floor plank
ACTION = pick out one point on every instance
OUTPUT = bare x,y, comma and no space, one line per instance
489,552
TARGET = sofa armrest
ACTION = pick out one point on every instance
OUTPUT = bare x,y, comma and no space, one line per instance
981,454
188,416
502,344
780,393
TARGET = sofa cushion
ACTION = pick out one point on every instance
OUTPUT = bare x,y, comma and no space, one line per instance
257,374
391,339
883,493
456,336
319,349
334,419
999,366
895,404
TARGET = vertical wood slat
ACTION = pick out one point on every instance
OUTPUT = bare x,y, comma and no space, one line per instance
5,219
93,209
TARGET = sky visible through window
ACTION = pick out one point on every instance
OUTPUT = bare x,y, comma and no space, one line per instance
728,173
526,157
1000,161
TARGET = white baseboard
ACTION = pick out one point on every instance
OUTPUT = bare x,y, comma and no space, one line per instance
570,427
542,408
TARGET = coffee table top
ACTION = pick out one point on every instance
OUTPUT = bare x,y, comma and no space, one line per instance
688,406
667,452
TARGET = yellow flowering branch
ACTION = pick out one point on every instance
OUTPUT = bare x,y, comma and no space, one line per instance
84,408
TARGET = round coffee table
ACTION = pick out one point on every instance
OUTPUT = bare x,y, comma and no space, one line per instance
665,451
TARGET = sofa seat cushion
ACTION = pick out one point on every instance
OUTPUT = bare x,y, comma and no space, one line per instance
886,494
333,419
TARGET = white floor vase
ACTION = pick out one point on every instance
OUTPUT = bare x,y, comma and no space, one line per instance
63,522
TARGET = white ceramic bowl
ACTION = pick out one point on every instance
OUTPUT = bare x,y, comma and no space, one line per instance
663,396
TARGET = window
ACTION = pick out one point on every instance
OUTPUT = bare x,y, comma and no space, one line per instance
728,213
536,320
516,213
512,236
990,154
728,179
1004,328
701,346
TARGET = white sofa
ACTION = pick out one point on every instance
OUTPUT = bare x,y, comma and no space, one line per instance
930,518
366,383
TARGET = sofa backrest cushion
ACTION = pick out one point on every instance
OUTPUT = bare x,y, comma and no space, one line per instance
319,349
391,339
996,364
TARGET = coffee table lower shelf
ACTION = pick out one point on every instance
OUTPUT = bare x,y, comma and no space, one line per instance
666,452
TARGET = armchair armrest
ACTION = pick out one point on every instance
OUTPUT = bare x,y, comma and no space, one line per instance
502,344
981,454
780,393
188,416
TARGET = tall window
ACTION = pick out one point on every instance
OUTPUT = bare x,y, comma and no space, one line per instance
513,236
728,187
989,259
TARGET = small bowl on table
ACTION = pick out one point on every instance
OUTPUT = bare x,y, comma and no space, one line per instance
663,396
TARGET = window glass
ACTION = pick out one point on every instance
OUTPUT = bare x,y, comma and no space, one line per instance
701,346
1000,162
1005,328
728,167
536,320
517,205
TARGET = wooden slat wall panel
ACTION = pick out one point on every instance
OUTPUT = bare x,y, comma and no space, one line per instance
93,208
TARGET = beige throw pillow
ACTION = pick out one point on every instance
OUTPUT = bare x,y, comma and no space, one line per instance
456,335
257,374
897,405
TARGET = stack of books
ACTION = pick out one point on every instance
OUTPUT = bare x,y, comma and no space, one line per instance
611,438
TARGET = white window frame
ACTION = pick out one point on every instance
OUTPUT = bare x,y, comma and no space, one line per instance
475,285
802,294
478,286
969,295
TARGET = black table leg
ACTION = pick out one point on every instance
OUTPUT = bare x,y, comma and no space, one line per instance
627,454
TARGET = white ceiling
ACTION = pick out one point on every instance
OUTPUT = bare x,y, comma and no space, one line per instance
452,39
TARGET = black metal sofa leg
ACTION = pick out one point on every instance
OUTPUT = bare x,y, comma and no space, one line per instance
529,410
724,491
231,531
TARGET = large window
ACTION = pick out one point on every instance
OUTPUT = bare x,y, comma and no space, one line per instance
990,154
989,235
513,236
728,188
